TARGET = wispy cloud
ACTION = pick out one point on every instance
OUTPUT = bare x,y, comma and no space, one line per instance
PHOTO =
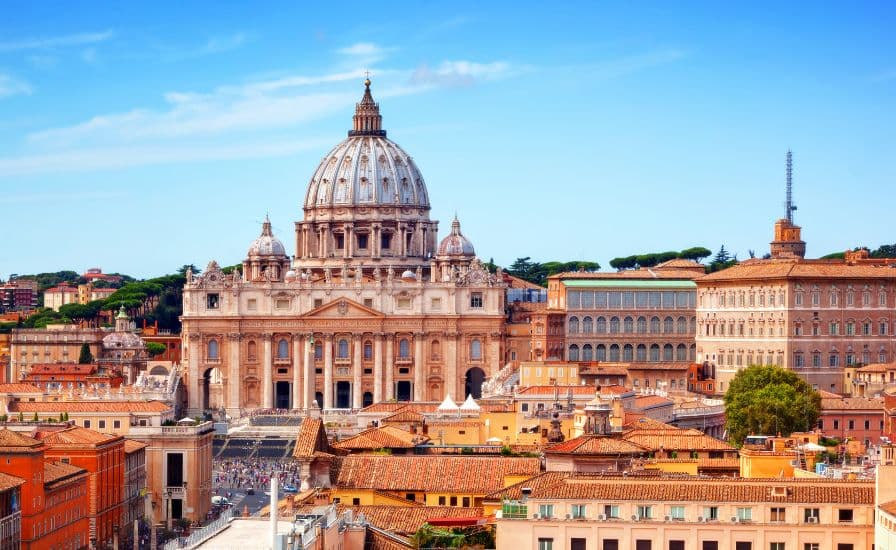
365,53
10,85
61,41
460,73
220,44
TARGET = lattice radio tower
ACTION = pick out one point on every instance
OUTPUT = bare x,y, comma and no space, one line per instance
790,206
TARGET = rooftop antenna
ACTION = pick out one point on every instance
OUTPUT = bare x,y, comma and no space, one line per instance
790,206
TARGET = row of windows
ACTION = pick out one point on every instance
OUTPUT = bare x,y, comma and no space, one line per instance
101,424
777,514
833,359
629,299
213,301
850,424
579,543
850,328
343,349
629,352
742,299
834,299
631,325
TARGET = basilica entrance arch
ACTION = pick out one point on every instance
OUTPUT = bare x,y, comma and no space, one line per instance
343,395
282,395
212,389
473,382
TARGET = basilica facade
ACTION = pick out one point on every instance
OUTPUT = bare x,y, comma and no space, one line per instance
372,307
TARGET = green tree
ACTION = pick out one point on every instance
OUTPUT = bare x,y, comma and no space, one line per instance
695,253
627,262
155,348
768,400
85,357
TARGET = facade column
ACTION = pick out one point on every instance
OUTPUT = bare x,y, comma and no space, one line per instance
493,362
401,240
419,368
357,370
390,368
328,371
268,374
297,352
193,397
375,245
310,376
232,399
378,368
349,240
451,365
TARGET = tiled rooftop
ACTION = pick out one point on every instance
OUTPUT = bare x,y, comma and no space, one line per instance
795,269
89,406
77,435
7,482
386,437
57,471
11,441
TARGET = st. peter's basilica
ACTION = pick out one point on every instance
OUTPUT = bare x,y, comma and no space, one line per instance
368,309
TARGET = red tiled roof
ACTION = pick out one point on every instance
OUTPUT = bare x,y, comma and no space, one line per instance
19,388
681,366
57,471
77,435
675,440
643,273
798,269
595,445
62,368
89,406
131,446
312,439
8,482
404,520
386,437
852,404
448,474
889,507
615,488
11,441
644,401
562,390
403,417
877,367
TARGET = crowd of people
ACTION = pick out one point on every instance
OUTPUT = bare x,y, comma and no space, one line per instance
253,473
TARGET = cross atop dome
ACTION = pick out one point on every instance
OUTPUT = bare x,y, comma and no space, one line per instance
367,120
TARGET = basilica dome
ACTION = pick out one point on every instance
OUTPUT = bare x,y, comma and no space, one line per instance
366,169
455,244
266,244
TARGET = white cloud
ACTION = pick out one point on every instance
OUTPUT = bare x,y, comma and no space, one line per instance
459,73
220,44
364,53
10,85
56,41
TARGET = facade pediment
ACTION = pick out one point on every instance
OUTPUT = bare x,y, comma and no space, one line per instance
343,307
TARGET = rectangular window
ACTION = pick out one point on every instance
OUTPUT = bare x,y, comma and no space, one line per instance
385,241
811,546
579,511
610,544
710,513
676,512
453,501
776,546
403,303
465,502
410,496
435,303
710,545
578,544
116,424
844,546
545,544
212,300
546,510
611,511
318,302
252,304
476,300
87,423
340,240
844,515
442,500
676,545
744,514
101,424
645,512
643,544
368,302
777,515
282,303
743,545
362,241
810,515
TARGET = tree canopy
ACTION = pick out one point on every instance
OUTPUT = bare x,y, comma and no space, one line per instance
766,400
538,273
883,251
651,259
85,357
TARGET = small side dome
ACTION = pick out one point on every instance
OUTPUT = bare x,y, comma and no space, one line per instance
455,244
408,275
267,244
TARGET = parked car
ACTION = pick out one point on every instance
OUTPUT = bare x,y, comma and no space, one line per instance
218,500
287,488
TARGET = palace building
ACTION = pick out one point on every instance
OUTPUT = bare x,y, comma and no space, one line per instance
371,307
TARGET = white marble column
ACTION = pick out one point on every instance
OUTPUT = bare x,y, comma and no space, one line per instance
310,376
419,368
357,370
451,366
328,372
297,353
232,400
378,368
193,397
268,374
390,368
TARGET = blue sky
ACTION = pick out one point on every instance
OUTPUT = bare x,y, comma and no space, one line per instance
139,137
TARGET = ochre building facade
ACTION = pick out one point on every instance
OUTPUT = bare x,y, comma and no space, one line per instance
370,308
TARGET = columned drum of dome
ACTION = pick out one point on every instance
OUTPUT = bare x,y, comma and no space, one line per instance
367,202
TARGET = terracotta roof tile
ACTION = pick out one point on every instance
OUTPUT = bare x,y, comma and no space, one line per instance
639,421
681,366
629,274
61,368
610,488
19,388
889,507
405,520
312,439
404,417
675,439
131,446
562,390
797,269
77,435
852,404
877,367
57,471
11,441
595,445
644,401
89,406
7,482
386,437
459,474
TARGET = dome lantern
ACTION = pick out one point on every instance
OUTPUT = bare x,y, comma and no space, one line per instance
367,120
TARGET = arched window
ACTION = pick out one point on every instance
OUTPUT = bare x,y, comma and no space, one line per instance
668,325
368,350
600,352
642,325
628,325
627,353
252,350
654,352
342,349
682,325
641,353
282,349
435,350
667,352
587,353
573,325
614,352
692,356
587,325
212,351
573,353
404,349
475,349
681,353
614,325
601,325
318,351
655,325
